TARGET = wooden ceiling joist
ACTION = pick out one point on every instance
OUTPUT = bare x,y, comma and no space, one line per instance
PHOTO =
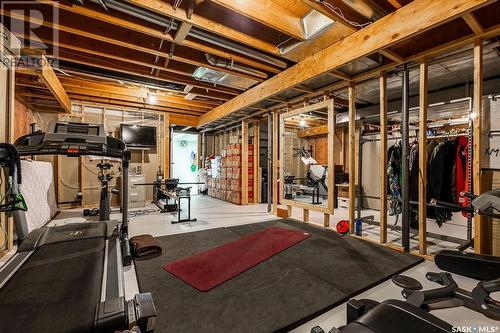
268,13
380,35
193,45
164,8
182,53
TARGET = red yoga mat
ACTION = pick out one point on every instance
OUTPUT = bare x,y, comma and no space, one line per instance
207,270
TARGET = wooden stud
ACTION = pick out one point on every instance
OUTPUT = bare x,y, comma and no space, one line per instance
244,162
256,161
422,159
383,157
352,157
306,215
275,161
482,238
166,129
326,220
331,155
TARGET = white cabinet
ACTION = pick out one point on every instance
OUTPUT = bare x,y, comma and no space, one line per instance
137,194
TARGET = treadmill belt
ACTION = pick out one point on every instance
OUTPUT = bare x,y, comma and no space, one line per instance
56,290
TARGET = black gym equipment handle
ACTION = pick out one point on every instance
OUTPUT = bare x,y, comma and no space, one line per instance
419,298
481,295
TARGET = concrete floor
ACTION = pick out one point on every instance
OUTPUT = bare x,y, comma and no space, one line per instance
213,213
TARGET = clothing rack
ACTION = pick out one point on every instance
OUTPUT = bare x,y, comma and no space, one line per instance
405,137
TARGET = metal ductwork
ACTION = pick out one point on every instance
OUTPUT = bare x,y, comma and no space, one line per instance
223,79
224,63
169,23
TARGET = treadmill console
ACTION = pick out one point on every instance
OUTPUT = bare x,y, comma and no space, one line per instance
71,139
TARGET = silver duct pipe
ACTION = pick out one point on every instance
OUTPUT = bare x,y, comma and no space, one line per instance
224,63
169,23
216,40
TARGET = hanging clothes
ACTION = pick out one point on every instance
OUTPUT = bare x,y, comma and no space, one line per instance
394,177
442,178
462,172
414,171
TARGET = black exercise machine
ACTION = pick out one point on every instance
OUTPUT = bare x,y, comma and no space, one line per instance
412,315
69,278
161,199
168,196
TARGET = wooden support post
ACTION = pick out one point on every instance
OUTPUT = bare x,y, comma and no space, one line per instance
166,160
256,161
306,215
482,236
275,161
422,159
352,156
326,220
244,162
289,210
383,157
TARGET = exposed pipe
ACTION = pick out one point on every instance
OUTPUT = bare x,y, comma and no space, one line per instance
167,22
224,63
216,40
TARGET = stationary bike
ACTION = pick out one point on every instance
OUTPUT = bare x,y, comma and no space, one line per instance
105,176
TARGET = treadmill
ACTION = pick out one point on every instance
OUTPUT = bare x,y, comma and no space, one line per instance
69,278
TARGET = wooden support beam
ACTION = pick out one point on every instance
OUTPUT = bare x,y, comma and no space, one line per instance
244,162
313,131
482,236
182,32
391,55
51,81
383,157
326,220
256,162
276,188
340,75
381,34
164,8
473,23
352,157
268,13
395,3
305,215
422,158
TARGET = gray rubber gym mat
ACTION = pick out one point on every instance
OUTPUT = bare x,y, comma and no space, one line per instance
279,294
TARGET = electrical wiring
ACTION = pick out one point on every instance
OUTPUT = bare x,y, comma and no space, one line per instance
339,12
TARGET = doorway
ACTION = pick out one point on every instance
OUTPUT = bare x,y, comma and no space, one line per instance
185,159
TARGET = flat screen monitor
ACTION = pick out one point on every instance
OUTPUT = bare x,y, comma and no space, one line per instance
136,136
